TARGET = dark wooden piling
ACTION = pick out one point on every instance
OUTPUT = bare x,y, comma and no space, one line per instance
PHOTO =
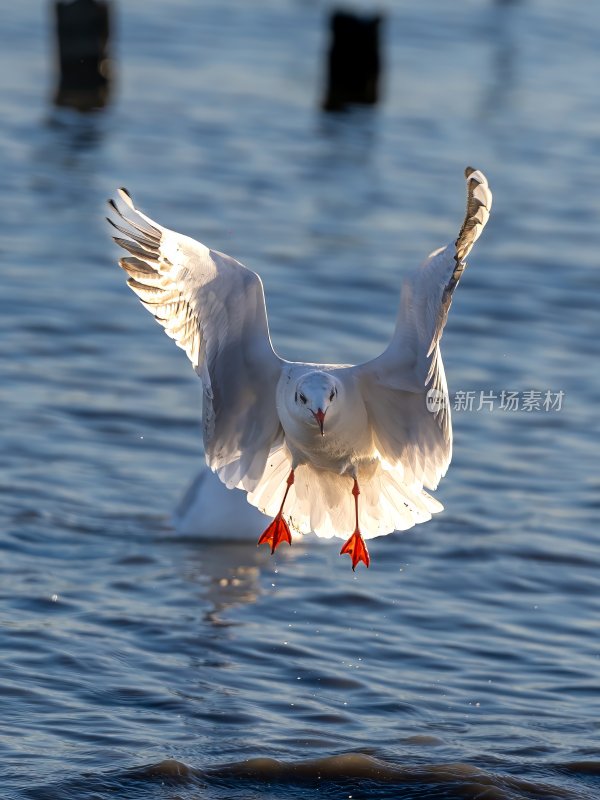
354,61
83,30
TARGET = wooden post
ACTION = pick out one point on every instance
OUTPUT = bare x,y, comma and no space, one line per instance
83,33
354,61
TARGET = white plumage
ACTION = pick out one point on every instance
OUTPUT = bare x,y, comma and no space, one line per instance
264,416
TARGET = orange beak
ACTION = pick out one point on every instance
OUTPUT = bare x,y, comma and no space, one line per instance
320,417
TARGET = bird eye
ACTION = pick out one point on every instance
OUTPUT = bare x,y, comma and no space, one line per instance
303,398
332,395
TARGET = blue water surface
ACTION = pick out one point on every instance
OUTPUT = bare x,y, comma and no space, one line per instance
139,663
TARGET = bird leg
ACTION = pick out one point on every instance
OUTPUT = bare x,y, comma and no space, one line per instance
278,531
355,547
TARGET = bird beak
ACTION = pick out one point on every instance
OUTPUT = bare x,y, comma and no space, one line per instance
320,417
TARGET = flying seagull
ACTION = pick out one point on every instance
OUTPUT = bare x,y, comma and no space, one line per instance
329,448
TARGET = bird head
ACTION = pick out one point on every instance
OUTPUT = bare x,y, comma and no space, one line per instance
314,396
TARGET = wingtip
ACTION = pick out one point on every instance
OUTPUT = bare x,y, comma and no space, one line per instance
479,204
472,174
125,196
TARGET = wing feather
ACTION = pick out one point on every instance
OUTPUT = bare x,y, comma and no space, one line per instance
214,309
405,388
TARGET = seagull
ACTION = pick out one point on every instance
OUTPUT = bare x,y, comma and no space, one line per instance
332,448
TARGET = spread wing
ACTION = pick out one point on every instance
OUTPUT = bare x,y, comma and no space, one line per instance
214,309
405,388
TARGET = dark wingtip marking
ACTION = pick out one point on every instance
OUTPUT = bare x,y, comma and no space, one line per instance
138,266
126,198
462,246
137,285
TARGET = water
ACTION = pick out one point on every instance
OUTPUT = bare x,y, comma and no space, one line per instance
464,663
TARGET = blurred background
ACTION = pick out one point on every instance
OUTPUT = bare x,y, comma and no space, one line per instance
141,662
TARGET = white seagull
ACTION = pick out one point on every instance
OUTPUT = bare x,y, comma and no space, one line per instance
305,441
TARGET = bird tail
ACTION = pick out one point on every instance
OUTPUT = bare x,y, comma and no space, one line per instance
322,501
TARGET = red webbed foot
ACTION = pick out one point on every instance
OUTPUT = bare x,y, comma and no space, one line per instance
277,532
356,548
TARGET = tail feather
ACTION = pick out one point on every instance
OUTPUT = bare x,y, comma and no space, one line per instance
322,501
